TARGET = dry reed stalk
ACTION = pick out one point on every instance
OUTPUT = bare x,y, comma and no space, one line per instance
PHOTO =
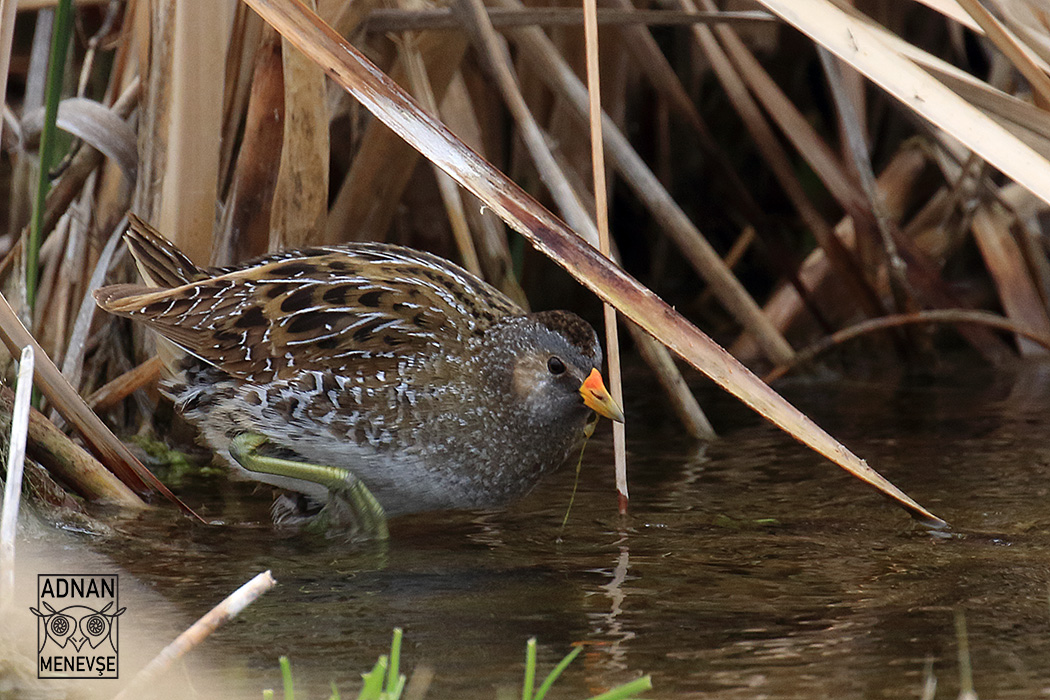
601,208
75,262
102,34
245,229
1025,121
116,390
222,613
1017,291
553,70
69,463
382,21
369,196
934,316
198,32
1003,256
61,196
895,188
48,302
7,35
567,197
1029,20
33,5
113,194
1020,55
862,47
650,60
16,456
491,46
857,148
447,187
683,403
155,38
785,307
76,344
792,123
300,198
655,354
776,157
245,39
489,232
389,102
113,453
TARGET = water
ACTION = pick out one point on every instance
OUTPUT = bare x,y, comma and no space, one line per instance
750,568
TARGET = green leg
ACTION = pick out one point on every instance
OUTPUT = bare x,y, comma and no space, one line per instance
350,504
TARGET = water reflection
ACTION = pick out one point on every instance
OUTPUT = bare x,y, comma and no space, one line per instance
750,568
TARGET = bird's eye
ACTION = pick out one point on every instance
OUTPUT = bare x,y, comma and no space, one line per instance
555,365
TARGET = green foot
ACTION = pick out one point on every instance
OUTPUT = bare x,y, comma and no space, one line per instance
351,506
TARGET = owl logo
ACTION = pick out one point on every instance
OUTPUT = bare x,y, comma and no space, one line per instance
78,618
77,624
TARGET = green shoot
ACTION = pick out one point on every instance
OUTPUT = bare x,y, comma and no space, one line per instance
386,682
286,678
60,36
553,675
627,690
530,669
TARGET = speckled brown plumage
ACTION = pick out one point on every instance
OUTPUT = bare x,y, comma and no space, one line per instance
431,386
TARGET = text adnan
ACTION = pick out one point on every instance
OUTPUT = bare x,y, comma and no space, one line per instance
79,587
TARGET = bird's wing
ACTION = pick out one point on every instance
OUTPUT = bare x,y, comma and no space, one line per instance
326,308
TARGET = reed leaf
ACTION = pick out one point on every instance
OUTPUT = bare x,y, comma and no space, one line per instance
857,44
390,103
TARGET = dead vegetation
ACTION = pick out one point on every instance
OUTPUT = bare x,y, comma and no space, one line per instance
759,182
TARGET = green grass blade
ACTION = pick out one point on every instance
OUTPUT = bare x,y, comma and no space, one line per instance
627,690
60,35
286,678
395,663
530,669
373,687
553,675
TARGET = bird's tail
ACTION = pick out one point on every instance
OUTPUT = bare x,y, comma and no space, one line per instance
162,266
160,263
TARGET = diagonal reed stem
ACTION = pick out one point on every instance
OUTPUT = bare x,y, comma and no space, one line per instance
390,103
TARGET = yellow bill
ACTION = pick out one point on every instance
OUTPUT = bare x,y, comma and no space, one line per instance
597,398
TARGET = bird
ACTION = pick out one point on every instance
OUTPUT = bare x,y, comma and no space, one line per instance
367,364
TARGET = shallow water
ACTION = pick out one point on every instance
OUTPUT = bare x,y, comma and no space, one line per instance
748,568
